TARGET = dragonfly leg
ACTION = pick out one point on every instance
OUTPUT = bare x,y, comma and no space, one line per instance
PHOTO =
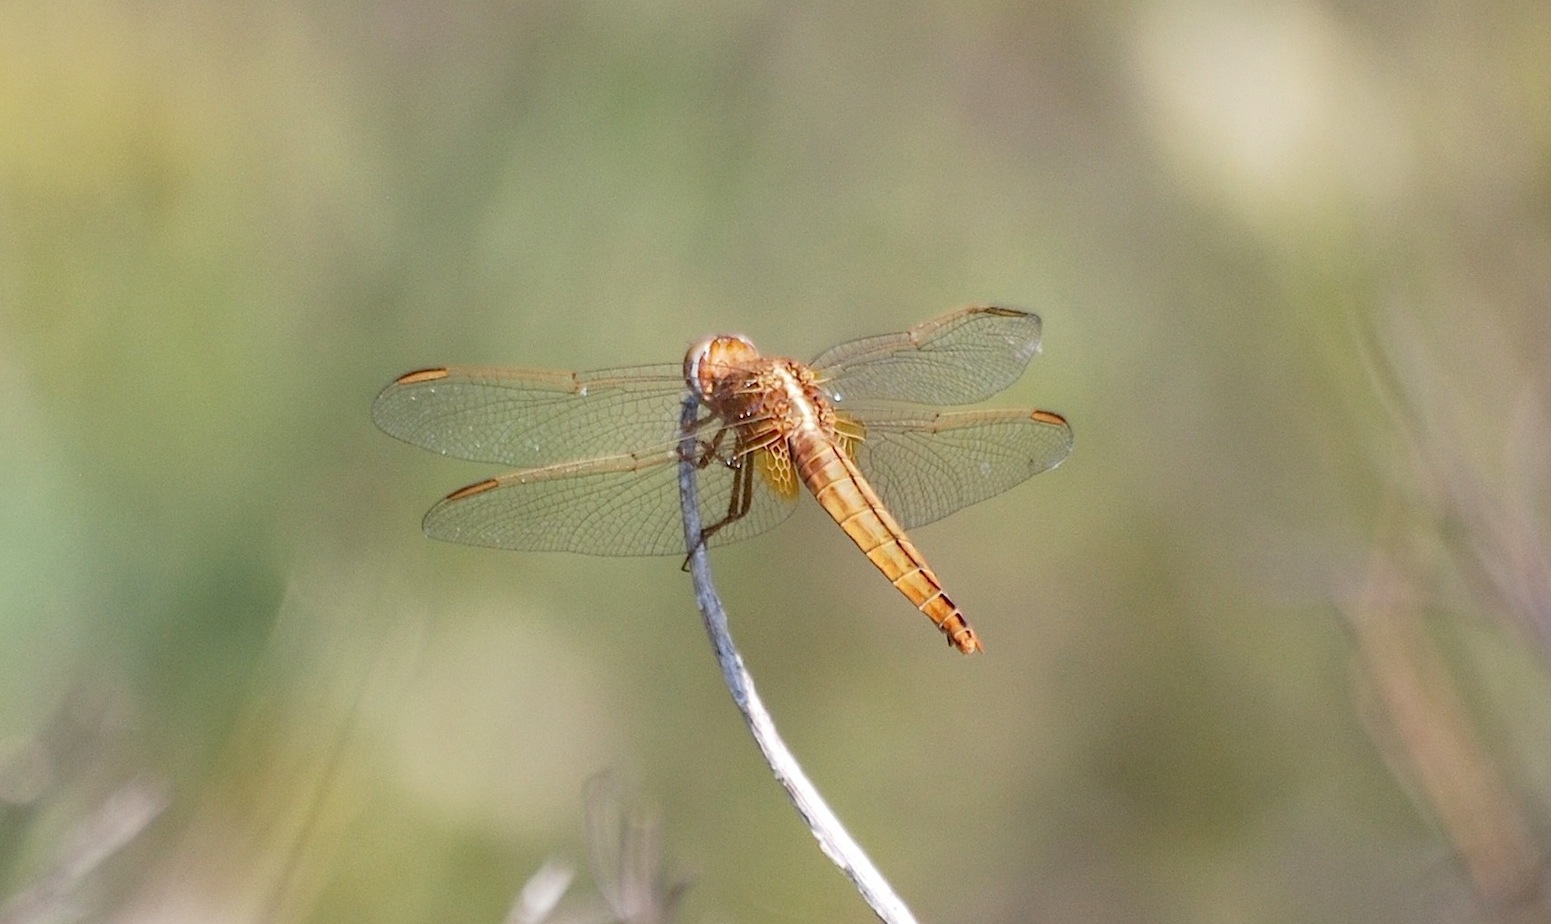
738,502
704,449
708,451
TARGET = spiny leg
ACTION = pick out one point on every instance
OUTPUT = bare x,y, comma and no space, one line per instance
740,499
738,504
706,451
750,441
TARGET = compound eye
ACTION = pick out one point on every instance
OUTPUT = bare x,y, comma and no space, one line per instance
712,359
695,365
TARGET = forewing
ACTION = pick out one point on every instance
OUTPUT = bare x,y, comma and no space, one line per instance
617,505
926,466
959,358
533,417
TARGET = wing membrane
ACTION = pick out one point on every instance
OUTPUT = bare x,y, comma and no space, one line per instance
926,466
960,358
619,505
533,417
596,452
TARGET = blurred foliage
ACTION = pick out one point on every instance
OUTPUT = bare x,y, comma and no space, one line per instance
1271,646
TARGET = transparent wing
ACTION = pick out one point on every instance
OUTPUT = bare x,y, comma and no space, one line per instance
616,505
533,417
960,358
925,465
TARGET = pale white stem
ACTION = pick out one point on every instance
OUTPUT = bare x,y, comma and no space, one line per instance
833,839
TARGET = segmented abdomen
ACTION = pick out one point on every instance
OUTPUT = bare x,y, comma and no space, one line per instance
842,491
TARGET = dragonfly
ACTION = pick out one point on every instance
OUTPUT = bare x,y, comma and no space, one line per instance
860,426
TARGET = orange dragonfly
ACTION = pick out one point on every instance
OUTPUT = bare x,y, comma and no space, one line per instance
597,452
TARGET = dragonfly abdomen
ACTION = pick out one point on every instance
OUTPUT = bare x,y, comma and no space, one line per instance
844,493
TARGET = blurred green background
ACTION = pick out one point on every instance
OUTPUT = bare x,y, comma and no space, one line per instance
1270,646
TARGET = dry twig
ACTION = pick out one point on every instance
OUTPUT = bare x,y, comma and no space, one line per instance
833,839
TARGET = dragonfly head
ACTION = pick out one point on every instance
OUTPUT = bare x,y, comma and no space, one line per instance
711,359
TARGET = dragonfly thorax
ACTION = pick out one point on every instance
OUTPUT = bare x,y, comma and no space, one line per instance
792,401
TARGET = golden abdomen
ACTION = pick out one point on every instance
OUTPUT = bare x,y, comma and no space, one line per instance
840,489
